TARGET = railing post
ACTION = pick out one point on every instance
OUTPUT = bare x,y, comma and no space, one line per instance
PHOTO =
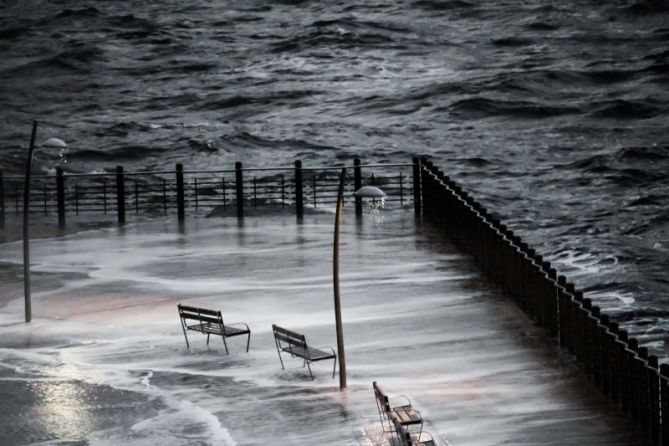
313,187
181,202
223,190
299,195
46,211
120,195
197,198
664,399
255,193
357,181
60,196
417,205
2,200
239,183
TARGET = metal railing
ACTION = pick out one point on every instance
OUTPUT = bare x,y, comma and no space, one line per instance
153,193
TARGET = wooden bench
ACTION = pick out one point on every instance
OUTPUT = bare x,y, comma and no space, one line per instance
403,413
296,344
210,322
408,438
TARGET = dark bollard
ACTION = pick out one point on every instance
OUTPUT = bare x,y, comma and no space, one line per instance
357,180
299,193
239,184
181,200
643,406
60,196
120,195
654,419
664,406
664,398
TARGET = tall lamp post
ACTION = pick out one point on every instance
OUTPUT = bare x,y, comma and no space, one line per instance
363,192
52,142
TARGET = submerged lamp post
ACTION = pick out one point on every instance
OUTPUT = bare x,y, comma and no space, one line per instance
52,142
363,192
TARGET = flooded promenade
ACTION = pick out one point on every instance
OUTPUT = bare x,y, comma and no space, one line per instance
104,361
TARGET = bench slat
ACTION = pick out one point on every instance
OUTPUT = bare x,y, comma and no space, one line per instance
299,342
201,318
187,309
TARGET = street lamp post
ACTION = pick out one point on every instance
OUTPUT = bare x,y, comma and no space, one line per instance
364,192
53,142
26,226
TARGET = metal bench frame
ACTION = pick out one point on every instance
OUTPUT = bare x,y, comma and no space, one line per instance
406,437
210,322
404,413
296,344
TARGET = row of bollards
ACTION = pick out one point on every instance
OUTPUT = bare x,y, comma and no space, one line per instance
622,370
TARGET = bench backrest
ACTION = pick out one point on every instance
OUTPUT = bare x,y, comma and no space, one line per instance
289,337
381,397
200,314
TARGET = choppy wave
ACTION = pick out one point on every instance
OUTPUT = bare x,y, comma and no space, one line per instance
553,113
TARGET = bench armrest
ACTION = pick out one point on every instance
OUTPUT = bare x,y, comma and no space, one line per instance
405,403
326,347
238,323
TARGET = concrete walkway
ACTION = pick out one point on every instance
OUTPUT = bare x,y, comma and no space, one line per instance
105,362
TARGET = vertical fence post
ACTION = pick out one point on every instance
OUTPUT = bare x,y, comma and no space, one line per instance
313,187
181,202
401,190
239,183
2,200
60,196
120,195
197,199
255,193
299,195
664,403
417,205
283,192
223,187
357,184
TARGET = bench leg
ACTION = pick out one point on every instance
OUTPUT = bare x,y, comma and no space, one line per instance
208,334
278,351
183,327
310,374
248,342
226,346
334,367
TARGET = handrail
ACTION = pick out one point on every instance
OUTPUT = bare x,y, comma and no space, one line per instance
214,171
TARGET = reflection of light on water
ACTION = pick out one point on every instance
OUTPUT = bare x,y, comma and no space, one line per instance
376,205
61,407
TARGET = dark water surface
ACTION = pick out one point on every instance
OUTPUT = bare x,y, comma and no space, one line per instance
554,113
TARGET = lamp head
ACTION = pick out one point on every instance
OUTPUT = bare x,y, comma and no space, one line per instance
370,192
55,143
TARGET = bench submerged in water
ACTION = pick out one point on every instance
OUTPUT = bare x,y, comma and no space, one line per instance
296,344
211,322
400,419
